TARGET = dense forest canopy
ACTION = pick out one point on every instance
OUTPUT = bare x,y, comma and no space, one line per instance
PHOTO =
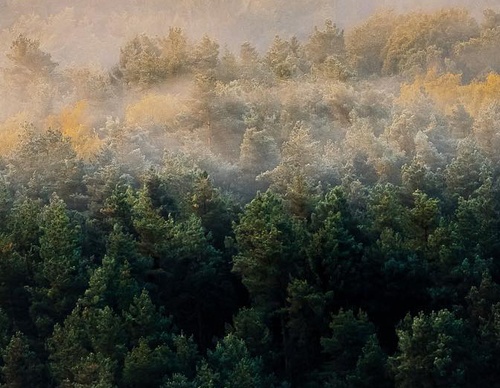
282,194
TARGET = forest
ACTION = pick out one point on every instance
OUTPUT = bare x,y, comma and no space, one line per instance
323,211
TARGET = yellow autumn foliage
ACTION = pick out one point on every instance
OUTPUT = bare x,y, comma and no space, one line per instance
443,90
155,110
446,91
10,132
481,93
73,123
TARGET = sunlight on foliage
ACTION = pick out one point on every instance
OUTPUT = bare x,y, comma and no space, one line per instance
447,91
155,110
10,132
73,123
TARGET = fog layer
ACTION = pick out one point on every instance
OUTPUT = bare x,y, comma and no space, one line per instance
92,31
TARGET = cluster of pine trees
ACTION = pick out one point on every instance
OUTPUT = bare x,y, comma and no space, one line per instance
325,213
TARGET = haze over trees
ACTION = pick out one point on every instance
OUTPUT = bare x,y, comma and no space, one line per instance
317,207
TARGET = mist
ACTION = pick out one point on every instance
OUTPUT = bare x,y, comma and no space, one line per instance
176,76
91,32
249,193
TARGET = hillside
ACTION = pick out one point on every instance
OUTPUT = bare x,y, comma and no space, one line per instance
249,194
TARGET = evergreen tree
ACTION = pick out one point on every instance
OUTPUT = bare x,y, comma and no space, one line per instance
230,365
325,43
371,368
60,272
350,334
140,62
21,366
434,350
334,255
267,251
88,334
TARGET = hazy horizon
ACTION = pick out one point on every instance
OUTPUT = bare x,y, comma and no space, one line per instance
92,32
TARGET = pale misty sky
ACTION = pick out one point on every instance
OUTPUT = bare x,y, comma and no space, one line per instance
93,31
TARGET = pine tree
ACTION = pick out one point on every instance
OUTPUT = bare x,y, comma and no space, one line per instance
21,366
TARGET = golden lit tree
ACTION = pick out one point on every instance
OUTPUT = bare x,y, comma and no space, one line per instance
73,122
155,110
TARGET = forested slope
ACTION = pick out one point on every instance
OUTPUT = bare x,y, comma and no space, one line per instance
324,212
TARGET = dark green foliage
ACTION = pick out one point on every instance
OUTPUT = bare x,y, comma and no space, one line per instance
475,228
423,220
87,334
370,257
59,272
334,254
267,247
467,171
21,366
230,365
22,224
371,368
249,325
14,273
117,208
145,366
111,284
213,209
434,350
350,334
